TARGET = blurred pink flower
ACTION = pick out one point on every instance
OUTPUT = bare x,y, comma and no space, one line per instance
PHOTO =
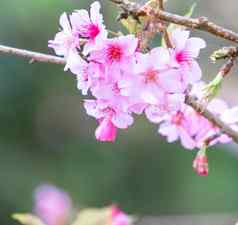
52,205
119,217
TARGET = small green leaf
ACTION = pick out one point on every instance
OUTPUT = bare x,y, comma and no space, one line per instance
212,89
191,10
130,24
27,219
172,26
93,216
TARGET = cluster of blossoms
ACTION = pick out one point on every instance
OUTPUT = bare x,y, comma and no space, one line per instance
124,81
53,206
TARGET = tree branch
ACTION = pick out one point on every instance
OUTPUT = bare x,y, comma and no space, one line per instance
32,56
201,23
226,129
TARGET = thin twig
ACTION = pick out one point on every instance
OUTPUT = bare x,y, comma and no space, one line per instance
164,28
32,56
201,23
226,68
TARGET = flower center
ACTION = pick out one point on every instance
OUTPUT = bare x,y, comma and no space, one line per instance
177,118
183,57
151,76
116,89
93,30
114,53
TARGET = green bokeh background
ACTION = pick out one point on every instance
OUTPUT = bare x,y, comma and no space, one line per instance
45,135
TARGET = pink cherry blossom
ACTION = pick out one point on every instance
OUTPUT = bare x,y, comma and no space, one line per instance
182,124
88,74
170,103
89,27
65,41
185,53
119,217
154,78
117,52
110,118
52,205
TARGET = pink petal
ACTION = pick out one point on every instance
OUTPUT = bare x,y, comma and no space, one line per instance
159,57
79,19
122,120
193,46
129,44
170,81
195,73
179,38
154,114
91,108
64,23
170,131
95,15
217,106
76,63
186,140
230,116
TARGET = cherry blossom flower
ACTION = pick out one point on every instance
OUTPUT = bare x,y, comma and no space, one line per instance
90,27
185,53
52,205
65,42
110,117
154,77
118,217
117,52
181,124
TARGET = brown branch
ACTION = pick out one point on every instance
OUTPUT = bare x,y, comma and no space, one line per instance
190,100
32,56
201,23
161,4
226,68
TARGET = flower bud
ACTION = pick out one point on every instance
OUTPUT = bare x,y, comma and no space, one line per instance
52,205
200,163
118,217
211,90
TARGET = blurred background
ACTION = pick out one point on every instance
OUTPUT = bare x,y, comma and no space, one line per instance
46,137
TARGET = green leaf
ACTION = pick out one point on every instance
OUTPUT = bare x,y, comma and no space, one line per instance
130,24
172,26
27,219
191,10
94,216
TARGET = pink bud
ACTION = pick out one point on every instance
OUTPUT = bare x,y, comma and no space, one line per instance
106,131
52,205
119,217
200,163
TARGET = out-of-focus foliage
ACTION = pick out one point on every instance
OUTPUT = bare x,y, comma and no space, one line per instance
45,135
